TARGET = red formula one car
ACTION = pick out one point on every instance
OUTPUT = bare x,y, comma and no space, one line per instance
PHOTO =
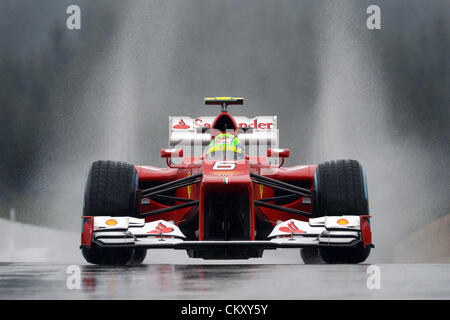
225,195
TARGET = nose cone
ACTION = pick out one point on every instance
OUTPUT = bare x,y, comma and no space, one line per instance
226,210
226,177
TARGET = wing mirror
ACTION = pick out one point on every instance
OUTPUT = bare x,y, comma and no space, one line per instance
280,153
171,153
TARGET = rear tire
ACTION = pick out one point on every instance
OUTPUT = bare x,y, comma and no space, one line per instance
341,190
111,191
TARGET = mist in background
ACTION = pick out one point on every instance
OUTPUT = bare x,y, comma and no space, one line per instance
106,91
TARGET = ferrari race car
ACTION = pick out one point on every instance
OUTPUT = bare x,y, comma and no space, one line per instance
225,195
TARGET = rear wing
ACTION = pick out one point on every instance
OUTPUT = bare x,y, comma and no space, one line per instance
191,134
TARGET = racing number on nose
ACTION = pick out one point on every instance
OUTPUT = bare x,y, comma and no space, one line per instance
224,165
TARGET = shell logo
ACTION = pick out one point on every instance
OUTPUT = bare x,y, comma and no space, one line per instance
342,222
111,222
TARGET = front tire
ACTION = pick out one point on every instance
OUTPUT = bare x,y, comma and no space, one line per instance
111,191
311,256
108,256
138,256
341,190
333,255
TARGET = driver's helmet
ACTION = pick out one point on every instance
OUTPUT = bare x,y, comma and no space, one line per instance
225,146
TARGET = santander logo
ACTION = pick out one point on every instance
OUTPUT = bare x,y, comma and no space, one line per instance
253,124
181,125
161,228
291,228
199,123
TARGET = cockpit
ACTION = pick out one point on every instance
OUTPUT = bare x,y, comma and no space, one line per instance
225,146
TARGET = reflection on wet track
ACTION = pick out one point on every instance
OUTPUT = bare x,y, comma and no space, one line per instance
224,281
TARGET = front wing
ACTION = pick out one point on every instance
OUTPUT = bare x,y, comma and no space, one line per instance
337,231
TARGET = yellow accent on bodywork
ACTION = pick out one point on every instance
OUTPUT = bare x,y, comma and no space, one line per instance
189,187
224,99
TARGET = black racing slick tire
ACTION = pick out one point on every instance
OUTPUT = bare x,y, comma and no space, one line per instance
111,191
114,256
333,255
108,256
138,256
311,256
341,190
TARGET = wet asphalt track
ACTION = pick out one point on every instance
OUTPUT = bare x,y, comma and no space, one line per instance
224,281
